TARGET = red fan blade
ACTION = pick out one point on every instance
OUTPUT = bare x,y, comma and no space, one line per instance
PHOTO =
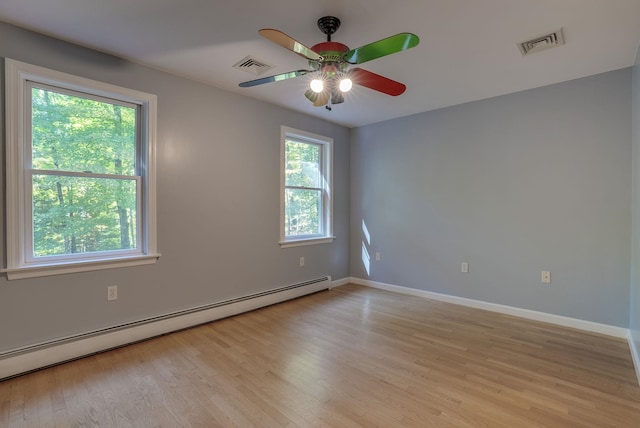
287,42
376,82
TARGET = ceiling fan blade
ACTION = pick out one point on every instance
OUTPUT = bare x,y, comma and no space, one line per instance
287,42
275,78
399,42
376,82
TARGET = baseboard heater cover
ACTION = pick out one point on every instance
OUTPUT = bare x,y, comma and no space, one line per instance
26,359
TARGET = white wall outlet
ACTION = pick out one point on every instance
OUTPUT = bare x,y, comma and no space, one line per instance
545,277
464,267
112,292
377,256
301,261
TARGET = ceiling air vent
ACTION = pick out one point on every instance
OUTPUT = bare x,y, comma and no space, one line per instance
538,44
252,65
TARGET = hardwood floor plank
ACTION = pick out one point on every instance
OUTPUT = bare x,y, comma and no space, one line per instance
348,357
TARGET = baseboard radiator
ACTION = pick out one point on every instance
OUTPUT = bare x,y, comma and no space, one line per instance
26,359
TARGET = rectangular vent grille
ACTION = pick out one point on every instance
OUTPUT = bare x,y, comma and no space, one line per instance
252,65
538,44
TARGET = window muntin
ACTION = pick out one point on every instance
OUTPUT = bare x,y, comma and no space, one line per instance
306,192
80,173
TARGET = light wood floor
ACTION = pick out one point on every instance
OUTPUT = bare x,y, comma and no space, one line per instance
348,357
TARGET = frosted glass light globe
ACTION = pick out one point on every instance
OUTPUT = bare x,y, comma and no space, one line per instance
317,85
345,85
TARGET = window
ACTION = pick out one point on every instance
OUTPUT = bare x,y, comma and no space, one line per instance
80,173
306,204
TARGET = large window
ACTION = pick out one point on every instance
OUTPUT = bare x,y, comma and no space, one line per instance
306,199
80,180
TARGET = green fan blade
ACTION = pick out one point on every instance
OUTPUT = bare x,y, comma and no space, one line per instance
399,42
276,78
287,42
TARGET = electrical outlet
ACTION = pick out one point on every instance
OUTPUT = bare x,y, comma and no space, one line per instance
545,277
301,261
377,256
112,292
464,267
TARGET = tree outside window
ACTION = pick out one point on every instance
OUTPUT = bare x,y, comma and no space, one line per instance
83,174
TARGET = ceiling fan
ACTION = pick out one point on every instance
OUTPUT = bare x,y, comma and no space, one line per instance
330,62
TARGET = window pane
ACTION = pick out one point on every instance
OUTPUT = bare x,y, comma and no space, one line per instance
303,210
302,164
82,215
71,133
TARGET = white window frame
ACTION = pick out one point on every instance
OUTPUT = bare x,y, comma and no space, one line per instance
326,144
19,78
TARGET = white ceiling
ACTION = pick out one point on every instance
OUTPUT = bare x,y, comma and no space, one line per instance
468,48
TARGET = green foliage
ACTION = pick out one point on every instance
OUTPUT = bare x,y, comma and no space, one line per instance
303,196
86,213
303,164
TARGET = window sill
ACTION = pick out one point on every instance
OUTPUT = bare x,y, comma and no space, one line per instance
78,266
307,241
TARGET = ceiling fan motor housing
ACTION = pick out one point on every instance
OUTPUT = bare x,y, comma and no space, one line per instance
332,55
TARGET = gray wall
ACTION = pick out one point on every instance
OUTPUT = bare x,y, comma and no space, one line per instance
218,205
634,323
531,181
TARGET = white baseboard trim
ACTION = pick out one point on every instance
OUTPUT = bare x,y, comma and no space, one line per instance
23,360
340,282
635,355
590,326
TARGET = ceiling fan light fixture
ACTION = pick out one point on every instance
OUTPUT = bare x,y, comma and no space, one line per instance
337,97
329,64
345,85
311,96
317,86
